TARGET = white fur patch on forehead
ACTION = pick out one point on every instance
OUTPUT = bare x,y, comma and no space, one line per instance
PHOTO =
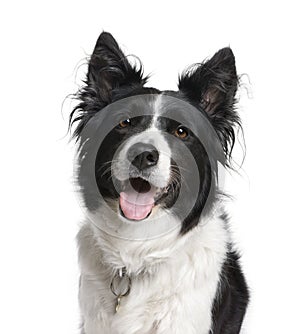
156,105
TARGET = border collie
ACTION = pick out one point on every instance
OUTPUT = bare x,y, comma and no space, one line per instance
155,251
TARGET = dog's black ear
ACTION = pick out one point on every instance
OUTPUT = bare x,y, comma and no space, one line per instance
109,68
108,71
212,85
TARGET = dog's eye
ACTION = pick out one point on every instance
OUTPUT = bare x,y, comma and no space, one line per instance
181,132
125,123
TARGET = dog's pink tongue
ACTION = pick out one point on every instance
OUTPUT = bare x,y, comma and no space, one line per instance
136,205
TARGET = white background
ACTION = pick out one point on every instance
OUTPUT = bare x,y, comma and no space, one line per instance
42,43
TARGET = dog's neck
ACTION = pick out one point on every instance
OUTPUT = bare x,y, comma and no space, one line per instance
101,253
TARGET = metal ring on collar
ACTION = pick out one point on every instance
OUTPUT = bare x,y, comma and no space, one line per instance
119,278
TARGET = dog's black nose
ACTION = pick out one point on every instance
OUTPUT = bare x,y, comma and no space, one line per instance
143,155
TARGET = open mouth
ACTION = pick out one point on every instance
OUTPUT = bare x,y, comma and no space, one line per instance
138,198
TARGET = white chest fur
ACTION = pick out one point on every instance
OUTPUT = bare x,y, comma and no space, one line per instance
174,280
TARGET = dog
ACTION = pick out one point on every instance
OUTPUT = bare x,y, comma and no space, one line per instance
155,251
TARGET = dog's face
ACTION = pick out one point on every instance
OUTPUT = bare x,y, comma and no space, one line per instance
158,145
139,160
145,161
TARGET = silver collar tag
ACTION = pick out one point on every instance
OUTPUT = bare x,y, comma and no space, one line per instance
120,286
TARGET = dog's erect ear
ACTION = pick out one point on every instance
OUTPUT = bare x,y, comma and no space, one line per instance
110,69
212,86
213,83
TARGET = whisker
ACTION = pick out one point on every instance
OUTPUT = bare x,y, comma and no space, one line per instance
104,164
106,171
180,168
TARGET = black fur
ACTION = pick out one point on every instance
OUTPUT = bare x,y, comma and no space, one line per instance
232,298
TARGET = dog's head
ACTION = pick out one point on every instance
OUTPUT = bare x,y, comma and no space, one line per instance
152,151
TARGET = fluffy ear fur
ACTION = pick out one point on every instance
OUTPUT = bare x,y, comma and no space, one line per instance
109,68
108,72
212,86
